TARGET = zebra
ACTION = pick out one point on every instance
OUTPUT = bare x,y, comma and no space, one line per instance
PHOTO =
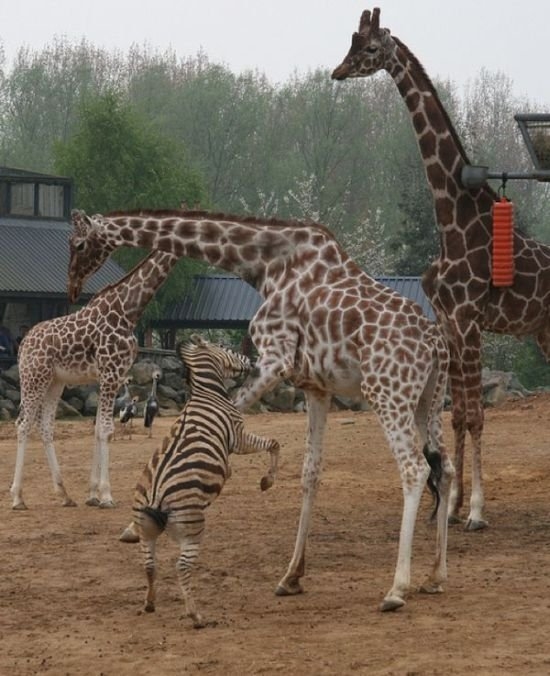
188,471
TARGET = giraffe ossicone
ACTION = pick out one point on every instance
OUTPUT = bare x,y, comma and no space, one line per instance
458,283
327,326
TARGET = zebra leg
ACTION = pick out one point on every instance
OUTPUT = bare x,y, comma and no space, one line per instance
148,547
189,551
252,443
318,406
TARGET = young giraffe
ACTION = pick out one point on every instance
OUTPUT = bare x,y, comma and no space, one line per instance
459,283
96,343
327,326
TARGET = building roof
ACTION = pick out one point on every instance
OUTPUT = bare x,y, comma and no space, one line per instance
34,260
226,301
221,301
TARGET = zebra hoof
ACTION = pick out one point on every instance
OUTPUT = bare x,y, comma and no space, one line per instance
128,535
20,506
92,502
149,607
69,503
266,482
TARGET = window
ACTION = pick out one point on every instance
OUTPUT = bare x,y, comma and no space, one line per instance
37,199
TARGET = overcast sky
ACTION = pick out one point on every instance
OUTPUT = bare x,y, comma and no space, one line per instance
278,37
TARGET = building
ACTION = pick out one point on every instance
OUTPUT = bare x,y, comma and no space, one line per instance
34,252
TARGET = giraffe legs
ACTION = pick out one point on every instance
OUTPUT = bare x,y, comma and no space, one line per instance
44,413
100,487
318,405
467,416
46,423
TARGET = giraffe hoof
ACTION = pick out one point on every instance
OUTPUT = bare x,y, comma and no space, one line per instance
289,588
149,607
473,524
107,504
92,502
391,603
69,503
430,587
20,506
453,519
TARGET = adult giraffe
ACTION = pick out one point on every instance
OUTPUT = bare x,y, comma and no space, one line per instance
93,344
459,282
326,325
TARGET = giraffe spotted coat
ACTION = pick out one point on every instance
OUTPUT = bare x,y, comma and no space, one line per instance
324,324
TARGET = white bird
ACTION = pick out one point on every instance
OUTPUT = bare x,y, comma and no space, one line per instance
151,408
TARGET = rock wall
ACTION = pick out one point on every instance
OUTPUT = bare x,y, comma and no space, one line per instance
171,392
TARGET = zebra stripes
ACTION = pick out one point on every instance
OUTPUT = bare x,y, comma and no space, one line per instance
188,471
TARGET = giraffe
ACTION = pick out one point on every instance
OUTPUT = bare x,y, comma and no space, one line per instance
458,283
95,343
327,326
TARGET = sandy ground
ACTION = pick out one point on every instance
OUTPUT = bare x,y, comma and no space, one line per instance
72,594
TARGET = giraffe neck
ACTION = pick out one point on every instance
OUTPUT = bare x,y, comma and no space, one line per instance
440,147
244,247
137,287
437,139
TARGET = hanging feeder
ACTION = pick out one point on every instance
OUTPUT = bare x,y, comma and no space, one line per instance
503,242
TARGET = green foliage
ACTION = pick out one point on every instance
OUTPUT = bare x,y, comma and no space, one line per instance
120,161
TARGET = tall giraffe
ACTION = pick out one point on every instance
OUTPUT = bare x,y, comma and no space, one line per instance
327,326
94,344
459,282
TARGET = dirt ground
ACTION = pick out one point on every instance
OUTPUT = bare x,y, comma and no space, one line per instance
72,594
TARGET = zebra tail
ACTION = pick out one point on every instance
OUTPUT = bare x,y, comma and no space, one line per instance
157,516
434,479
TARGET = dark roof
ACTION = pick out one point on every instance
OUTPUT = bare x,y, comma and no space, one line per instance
214,301
34,260
225,301
13,172
410,287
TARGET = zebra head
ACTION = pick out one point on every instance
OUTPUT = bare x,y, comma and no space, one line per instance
230,363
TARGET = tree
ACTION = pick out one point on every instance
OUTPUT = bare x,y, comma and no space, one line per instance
119,161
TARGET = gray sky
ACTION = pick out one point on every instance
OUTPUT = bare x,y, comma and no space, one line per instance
277,37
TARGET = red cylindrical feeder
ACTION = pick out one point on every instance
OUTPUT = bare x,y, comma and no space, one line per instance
503,243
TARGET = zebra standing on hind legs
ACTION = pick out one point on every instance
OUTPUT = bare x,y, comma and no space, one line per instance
189,470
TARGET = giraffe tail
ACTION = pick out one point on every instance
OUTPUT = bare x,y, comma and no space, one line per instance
434,479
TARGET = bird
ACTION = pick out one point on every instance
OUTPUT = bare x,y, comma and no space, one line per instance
122,401
151,408
127,414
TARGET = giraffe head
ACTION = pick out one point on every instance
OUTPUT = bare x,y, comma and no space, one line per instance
371,49
88,248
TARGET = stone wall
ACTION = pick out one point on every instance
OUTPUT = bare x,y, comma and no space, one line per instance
171,393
